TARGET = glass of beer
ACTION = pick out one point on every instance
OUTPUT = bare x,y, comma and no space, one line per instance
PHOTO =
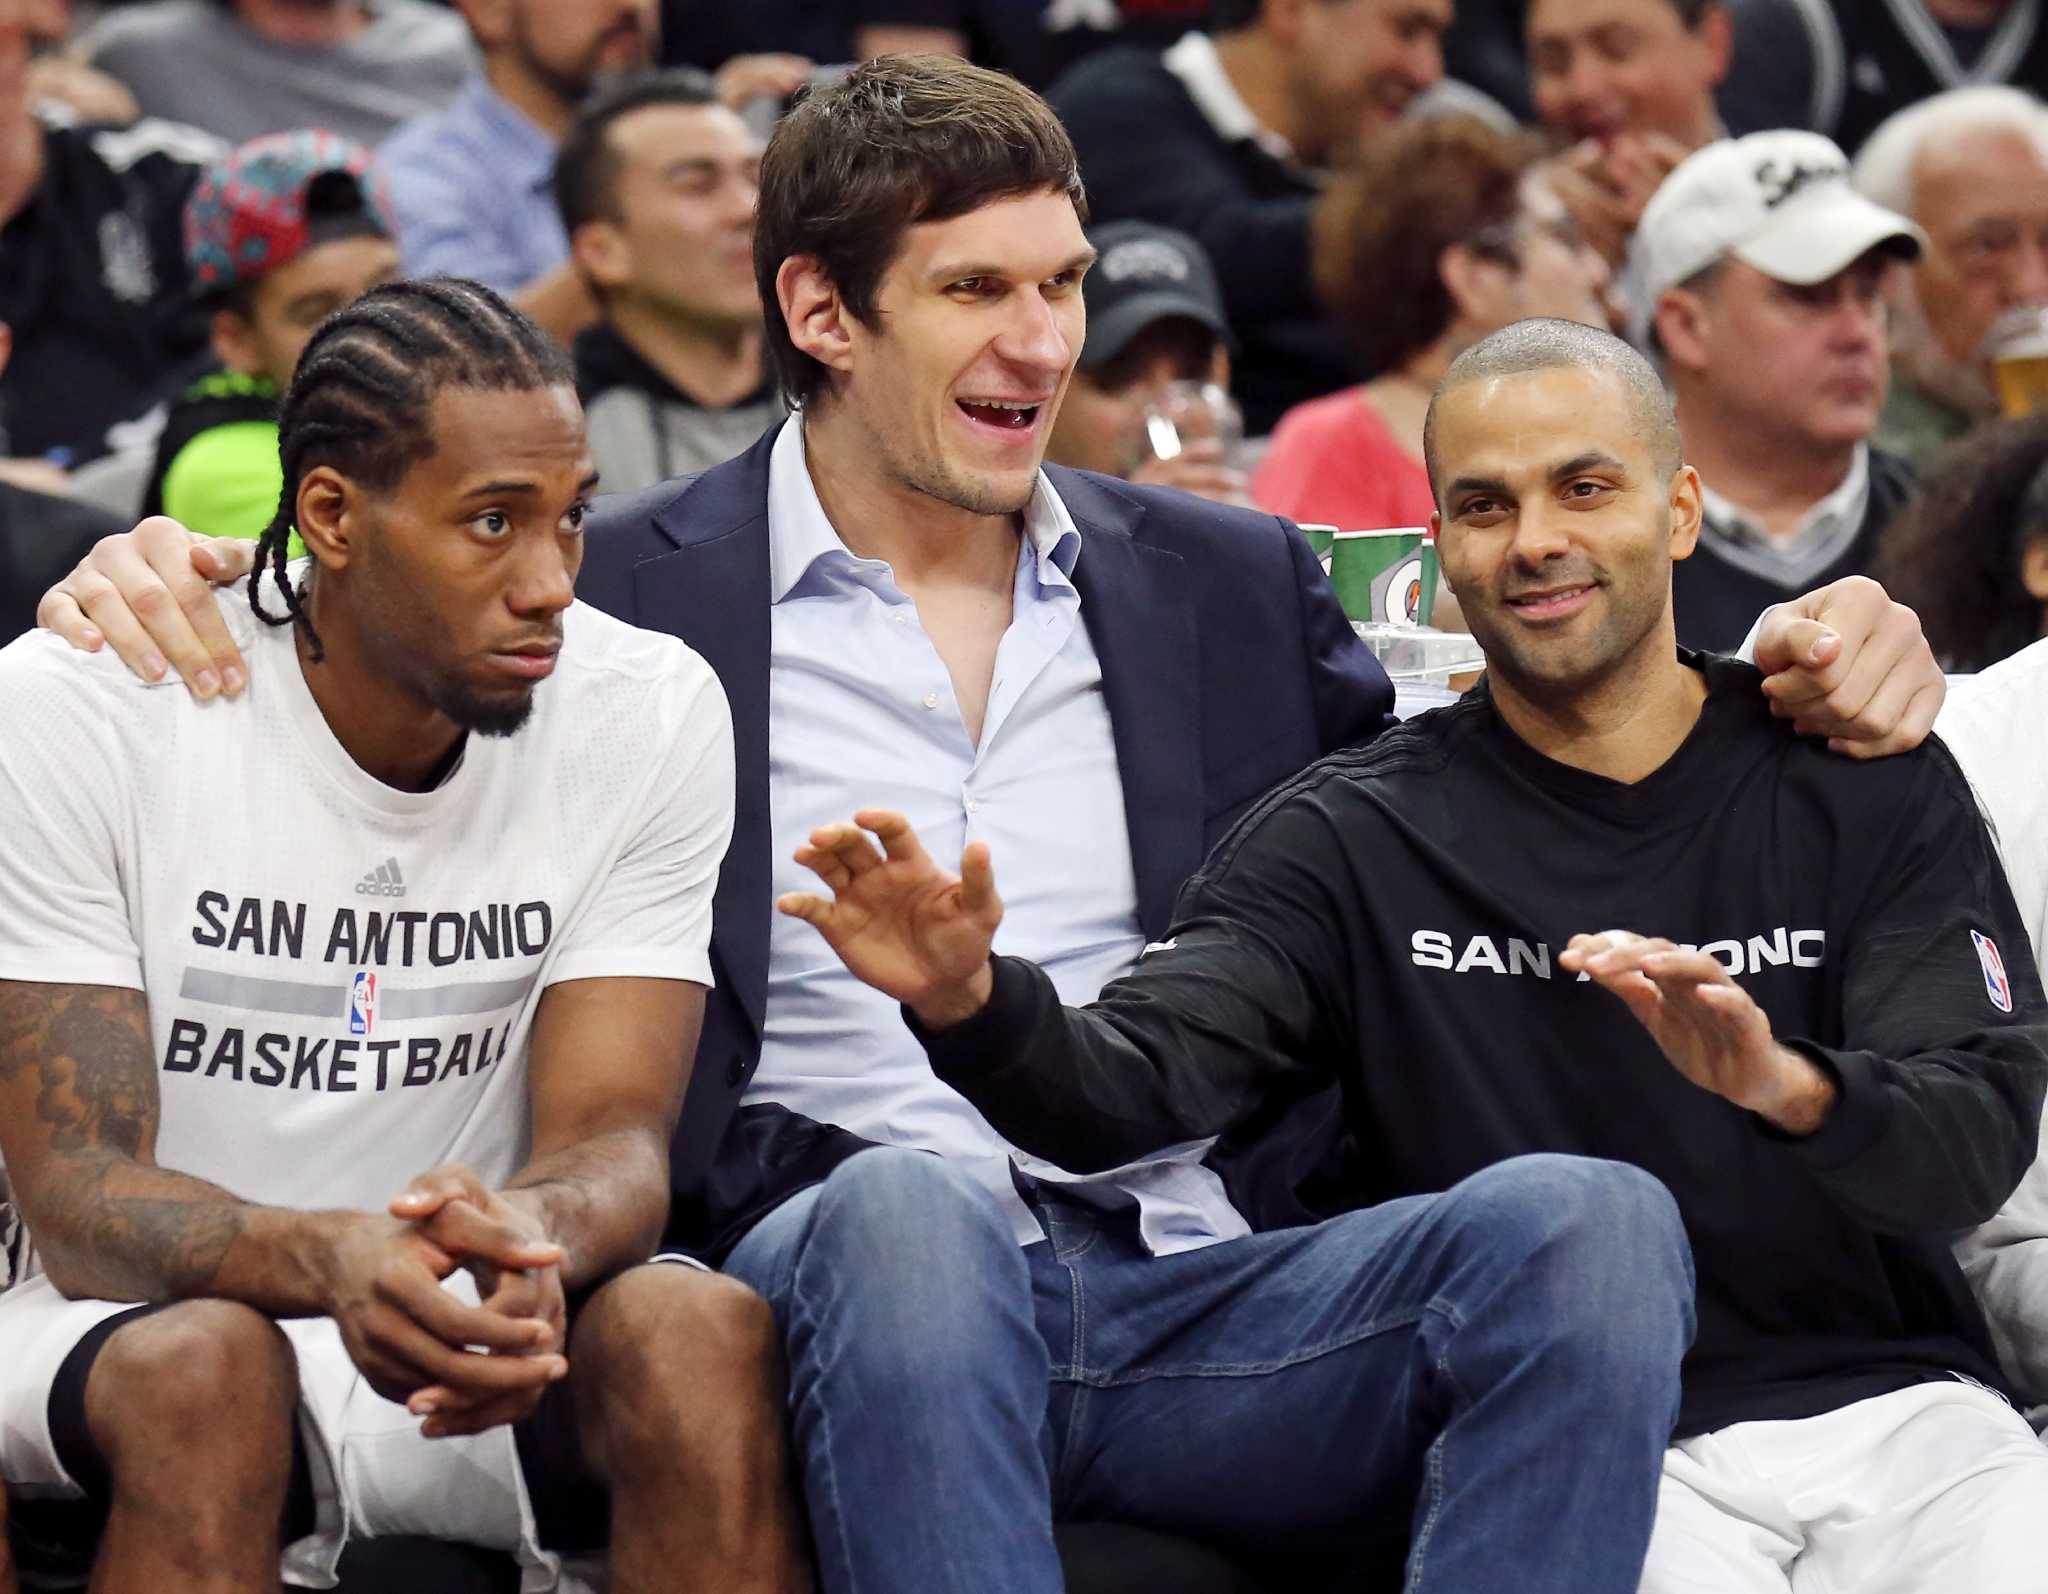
2018,346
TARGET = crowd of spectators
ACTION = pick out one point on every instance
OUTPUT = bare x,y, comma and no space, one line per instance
1824,223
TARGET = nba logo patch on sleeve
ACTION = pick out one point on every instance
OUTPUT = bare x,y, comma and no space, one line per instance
1996,985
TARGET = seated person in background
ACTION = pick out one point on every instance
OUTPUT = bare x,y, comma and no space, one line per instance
1766,273
1969,552
1842,67
1825,1122
92,271
656,183
1444,233
254,1120
1971,168
1155,315
279,235
1992,723
473,185
243,68
42,533
1226,137
1628,87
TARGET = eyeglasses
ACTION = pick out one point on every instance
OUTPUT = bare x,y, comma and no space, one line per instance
1500,239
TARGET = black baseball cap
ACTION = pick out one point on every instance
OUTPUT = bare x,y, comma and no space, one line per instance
1145,274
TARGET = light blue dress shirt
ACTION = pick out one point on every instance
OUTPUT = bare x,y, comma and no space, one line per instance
861,714
473,190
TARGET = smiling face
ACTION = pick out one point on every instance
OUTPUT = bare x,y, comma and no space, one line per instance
683,240
1602,67
457,577
1357,64
977,325
1557,527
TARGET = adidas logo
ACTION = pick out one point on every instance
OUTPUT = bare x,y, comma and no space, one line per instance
382,881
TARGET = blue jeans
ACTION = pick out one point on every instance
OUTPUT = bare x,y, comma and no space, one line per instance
1494,1369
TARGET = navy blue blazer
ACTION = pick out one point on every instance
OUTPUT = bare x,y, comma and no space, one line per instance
1227,666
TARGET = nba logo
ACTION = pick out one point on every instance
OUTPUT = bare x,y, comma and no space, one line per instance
362,1004
1996,986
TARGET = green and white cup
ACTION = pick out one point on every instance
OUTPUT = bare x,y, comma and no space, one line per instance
1382,577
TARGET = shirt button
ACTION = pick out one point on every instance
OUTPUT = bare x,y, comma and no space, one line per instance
931,700
974,805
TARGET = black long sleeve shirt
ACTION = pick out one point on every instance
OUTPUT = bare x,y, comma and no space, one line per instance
1394,916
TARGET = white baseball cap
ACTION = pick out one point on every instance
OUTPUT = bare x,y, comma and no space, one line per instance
1779,201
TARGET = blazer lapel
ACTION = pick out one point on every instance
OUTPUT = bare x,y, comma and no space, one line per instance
1139,608
713,593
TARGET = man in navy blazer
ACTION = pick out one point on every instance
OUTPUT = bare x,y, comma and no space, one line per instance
1227,666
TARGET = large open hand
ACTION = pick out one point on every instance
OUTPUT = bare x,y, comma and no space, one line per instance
898,920
1709,1027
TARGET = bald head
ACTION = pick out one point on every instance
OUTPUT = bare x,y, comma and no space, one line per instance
1549,345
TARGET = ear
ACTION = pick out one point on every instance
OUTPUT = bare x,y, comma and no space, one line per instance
2034,568
1477,285
817,319
327,515
1681,328
601,252
234,342
1688,509
6,344
1716,34
1219,365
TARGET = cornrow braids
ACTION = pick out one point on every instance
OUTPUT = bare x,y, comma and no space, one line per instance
362,396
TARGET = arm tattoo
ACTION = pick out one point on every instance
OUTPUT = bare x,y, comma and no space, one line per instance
83,1056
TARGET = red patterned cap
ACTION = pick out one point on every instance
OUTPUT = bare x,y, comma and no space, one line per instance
266,203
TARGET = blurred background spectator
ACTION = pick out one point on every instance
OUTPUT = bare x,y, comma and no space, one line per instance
1445,232
1767,272
1841,67
656,183
1971,167
1970,553
1226,137
92,275
1627,87
1155,318
279,235
242,68
472,185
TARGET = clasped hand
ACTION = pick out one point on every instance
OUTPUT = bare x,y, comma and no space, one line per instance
463,1368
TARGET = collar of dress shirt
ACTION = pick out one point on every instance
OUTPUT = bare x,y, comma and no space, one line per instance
799,535
1200,69
1822,533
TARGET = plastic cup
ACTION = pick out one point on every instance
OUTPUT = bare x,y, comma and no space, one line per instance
2018,346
